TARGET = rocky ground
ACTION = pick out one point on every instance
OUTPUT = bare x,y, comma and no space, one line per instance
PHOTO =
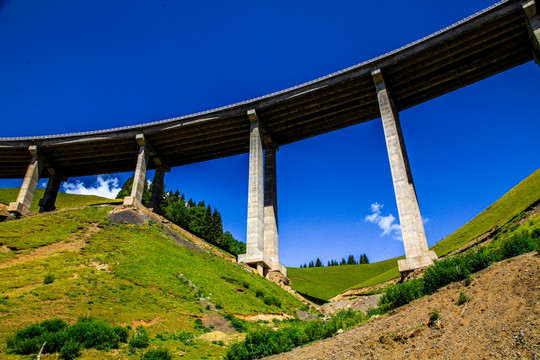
501,320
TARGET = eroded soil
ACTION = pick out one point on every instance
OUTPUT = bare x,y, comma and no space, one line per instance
501,320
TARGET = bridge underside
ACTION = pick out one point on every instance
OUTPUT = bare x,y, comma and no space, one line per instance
478,47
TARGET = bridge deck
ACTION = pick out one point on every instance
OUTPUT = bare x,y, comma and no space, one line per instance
487,43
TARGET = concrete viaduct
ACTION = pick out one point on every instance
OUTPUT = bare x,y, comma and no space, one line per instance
498,38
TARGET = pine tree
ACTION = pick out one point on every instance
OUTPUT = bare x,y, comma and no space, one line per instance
351,261
311,264
343,262
318,263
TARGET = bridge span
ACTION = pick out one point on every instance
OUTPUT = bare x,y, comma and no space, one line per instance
491,41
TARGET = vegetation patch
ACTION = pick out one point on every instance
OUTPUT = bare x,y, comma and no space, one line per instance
56,336
518,241
265,341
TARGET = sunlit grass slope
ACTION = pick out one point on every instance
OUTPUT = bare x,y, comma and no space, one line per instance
124,274
518,199
63,200
326,282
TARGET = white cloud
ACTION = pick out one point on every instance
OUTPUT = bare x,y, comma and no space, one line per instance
106,187
386,223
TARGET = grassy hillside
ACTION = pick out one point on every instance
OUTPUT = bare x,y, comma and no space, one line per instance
63,200
326,282
522,196
124,274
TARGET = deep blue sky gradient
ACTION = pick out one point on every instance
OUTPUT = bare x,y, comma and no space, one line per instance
70,66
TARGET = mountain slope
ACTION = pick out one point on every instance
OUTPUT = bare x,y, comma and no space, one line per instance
126,274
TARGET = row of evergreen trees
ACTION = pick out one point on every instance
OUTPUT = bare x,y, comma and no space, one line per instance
350,261
198,218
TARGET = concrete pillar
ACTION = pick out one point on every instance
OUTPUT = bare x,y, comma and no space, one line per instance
21,207
157,189
270,206
51,192
533,24
414,239
255,220
139,179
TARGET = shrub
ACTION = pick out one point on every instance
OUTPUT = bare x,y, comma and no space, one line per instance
468,280
63,338
184,336
140,339
238,324
48,279
272,300
157,354
259,293
93,334
122,333
516,244
398,295
434,316
266,342
70,350
463,298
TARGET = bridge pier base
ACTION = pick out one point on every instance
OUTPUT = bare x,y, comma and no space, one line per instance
21,207
138,179
51,192
262,235
417,252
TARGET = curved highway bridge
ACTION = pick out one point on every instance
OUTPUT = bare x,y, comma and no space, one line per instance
498,38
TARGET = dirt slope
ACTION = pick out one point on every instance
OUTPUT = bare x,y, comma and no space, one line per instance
500,321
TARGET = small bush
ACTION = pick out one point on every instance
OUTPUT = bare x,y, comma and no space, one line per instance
60,337
122,333
238,324
266,342
184,336
48,279
70,350
468,280
516,244
259,293
219,306
398,295
157,354
272,300
140,339
434,316
463,298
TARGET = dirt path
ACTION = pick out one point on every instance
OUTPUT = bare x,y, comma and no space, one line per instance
74,243
500,321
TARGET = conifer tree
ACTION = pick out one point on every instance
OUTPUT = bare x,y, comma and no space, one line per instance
318,263
343,262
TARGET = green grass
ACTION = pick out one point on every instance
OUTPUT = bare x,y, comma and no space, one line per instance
327,282
124,274
63,200
510,205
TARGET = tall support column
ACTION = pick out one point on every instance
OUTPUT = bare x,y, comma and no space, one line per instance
21,207
533,22
255,218
270,206
51,192
139,177
414,239
158,185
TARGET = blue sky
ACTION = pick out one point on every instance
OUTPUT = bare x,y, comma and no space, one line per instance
69,66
